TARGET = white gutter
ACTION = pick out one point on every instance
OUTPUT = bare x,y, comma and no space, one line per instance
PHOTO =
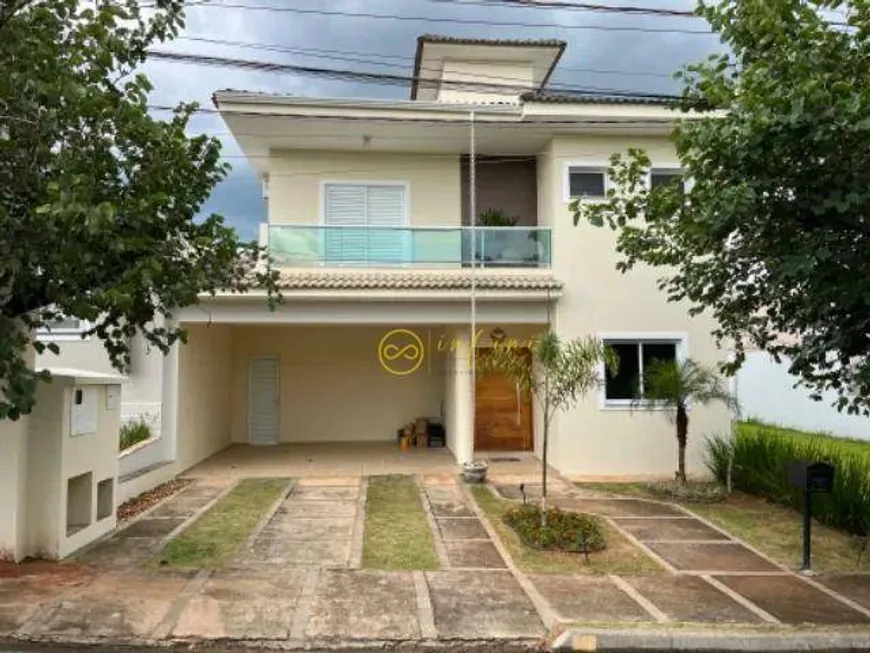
224,97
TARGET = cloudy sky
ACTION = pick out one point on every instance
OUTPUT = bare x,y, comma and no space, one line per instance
601,54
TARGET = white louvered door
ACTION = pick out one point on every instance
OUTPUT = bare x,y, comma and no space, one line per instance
363,224
263,400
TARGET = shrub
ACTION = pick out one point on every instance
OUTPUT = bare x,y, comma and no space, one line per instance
565,531
134,432
691,492
759,468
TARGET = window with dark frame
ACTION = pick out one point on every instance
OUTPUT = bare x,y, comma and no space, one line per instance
659,178
634,357
587,182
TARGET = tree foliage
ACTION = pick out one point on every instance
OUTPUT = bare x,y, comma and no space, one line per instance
97,196
772,233
557,373
676,386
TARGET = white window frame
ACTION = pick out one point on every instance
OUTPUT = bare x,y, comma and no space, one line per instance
668,167
587,165
678,338
43,333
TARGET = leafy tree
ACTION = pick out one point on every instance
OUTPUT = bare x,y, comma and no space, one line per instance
676,386
557,373
771,235
97,197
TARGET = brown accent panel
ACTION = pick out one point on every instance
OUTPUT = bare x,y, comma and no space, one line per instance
496,427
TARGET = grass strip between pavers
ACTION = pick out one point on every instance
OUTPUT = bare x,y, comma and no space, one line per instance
213,538
620,556
397,533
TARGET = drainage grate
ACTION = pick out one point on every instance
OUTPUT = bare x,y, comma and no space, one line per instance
504,459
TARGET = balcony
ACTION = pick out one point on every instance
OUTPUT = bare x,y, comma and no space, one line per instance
429,247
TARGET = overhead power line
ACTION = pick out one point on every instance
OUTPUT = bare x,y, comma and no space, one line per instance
573,6
379,78
438,19
370,58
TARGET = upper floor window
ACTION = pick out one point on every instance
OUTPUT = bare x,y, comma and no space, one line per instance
587,183
635,355
63,328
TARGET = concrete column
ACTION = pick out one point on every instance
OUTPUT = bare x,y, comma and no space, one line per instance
169,404
463,406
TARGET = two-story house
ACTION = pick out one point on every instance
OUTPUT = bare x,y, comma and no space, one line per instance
393,278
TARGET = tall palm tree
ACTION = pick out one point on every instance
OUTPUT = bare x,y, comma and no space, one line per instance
676,386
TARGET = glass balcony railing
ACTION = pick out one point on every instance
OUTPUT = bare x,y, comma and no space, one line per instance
331,246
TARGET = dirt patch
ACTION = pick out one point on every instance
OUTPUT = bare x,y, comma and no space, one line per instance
47,573
138,505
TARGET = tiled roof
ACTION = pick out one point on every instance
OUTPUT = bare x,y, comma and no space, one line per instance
459,40
416,280
580,98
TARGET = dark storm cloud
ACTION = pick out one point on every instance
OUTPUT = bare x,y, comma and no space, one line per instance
645,60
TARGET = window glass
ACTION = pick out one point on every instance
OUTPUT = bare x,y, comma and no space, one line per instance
624,384
658,351
660,178
634,358
586,183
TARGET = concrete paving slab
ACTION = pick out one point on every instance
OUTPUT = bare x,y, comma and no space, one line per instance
852,586
305,529
364,605
12,617
724,556
120,553
439,479
333,481
793,601
689,598
150,528
258,620
481,605
294,508
326,492
114,606
449,505
274,548
473,554
588,598
248,603
619,507
670,529
461,529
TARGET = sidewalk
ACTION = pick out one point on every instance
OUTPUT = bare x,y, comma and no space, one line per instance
298,582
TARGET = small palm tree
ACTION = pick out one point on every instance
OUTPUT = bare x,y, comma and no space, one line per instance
557,374
676,385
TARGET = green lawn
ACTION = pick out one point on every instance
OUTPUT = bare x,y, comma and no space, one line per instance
213,538
397,532
620,556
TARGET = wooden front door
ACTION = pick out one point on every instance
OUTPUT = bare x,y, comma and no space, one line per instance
502,416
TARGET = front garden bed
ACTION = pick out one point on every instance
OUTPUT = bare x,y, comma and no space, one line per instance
619,557
564,531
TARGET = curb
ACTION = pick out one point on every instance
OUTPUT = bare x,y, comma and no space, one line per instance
664,640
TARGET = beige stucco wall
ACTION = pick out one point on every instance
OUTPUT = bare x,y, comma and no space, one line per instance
332,387
296,181
204,393
597,299
482,79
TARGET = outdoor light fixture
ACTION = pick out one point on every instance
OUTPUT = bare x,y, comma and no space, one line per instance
497,334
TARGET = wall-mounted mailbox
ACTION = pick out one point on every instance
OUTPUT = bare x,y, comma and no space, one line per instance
812,477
